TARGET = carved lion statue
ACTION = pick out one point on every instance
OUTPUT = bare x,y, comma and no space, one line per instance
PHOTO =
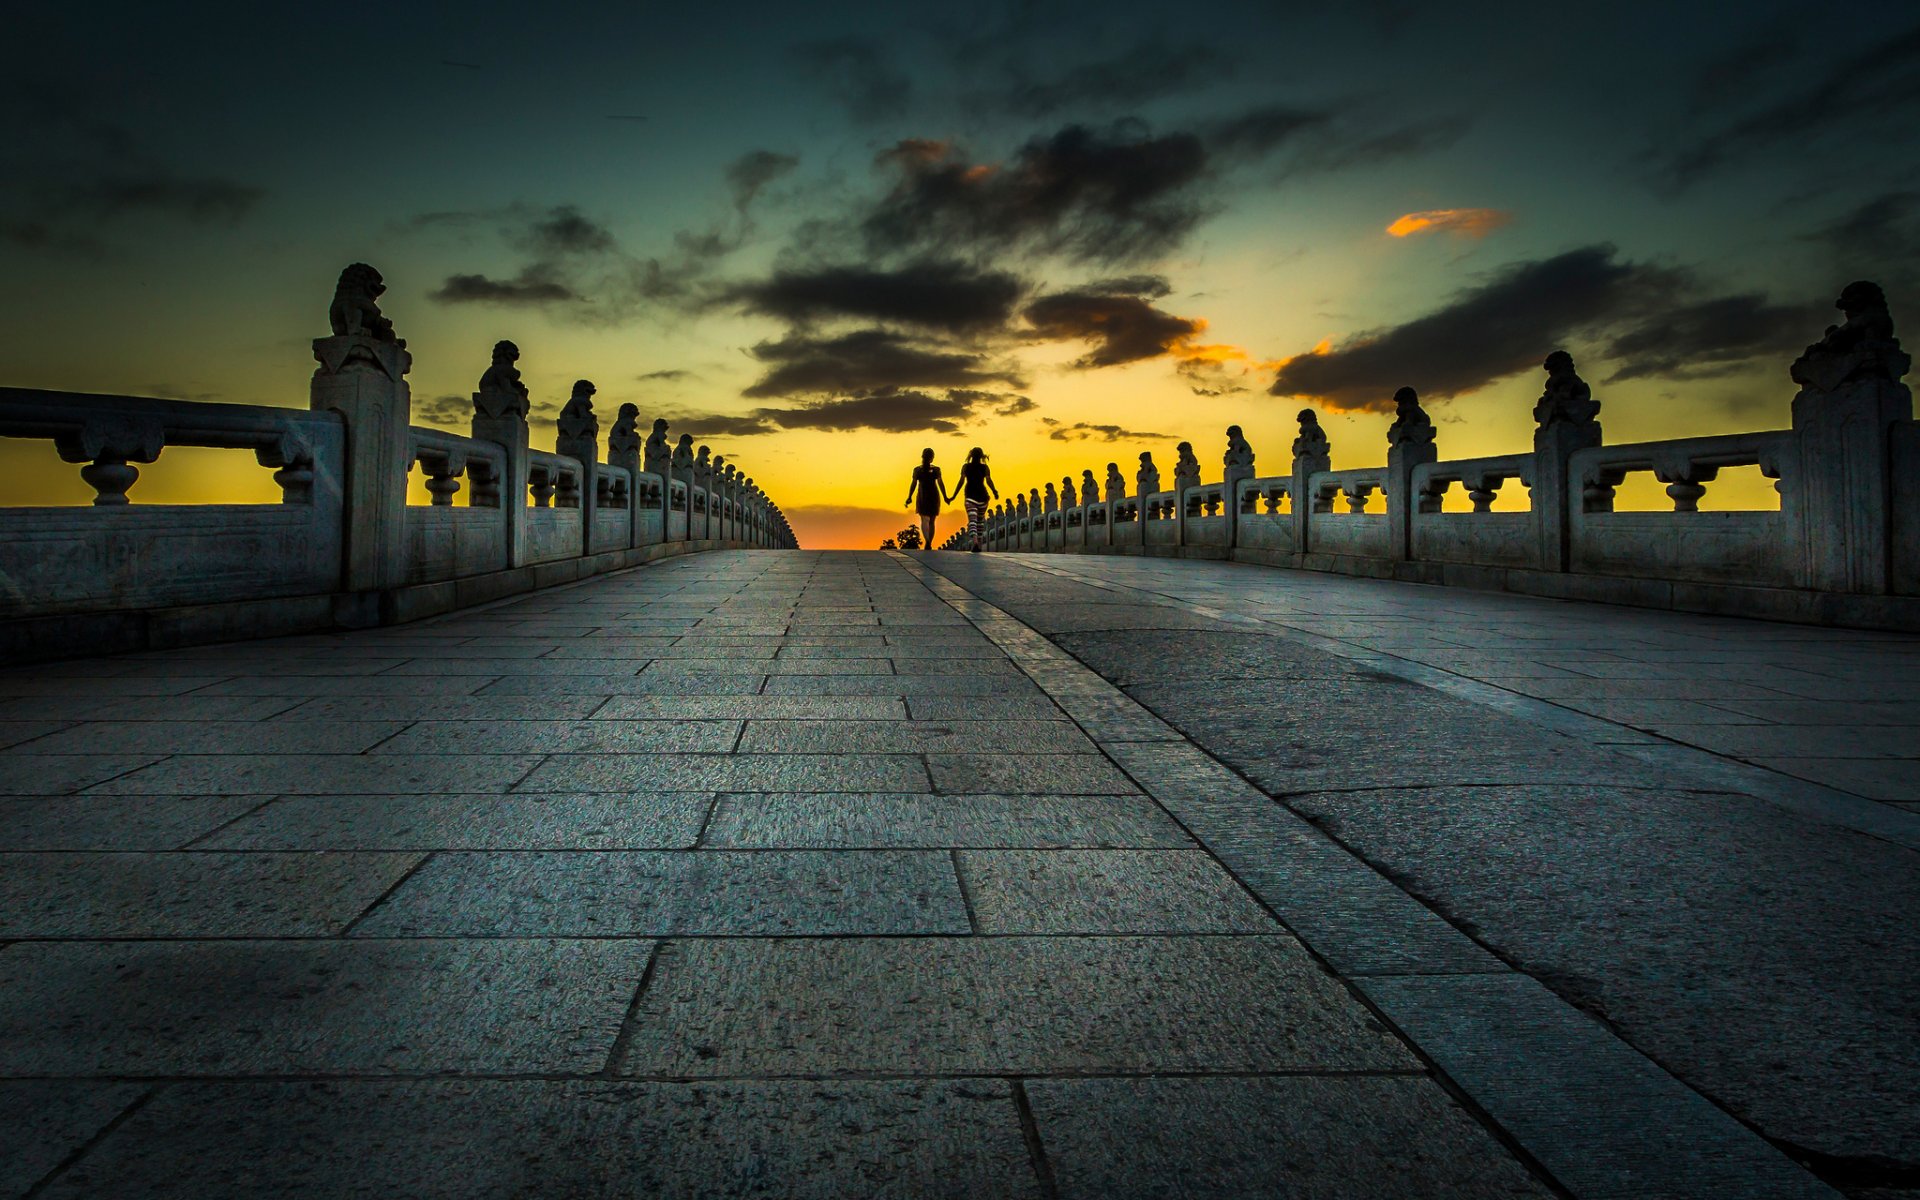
356,305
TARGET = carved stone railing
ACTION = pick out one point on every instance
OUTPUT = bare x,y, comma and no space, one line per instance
345,547
1841,547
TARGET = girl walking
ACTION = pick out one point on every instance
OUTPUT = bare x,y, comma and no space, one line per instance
975,482
930,491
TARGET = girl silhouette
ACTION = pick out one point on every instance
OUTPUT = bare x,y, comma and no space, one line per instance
928,487
975,482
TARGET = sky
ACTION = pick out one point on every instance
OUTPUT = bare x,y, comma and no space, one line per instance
821,237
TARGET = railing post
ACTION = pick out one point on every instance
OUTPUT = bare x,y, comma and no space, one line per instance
1409,444
578,437
1311,453
623,451
1186,476
1238,463
363,376
1850,398
1565,423
500,416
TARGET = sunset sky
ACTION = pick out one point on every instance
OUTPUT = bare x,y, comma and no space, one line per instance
820,237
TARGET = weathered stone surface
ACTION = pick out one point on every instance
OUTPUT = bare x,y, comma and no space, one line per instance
564,737
44,1121
729,773
1318,1138
234,1008
1062,774
1765,958
662,893
753,820
917,737
523,821
1107,891
115,822
958,1140
323,774
941,1005
191,895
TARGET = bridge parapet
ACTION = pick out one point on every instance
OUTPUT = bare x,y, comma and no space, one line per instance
1841,547
344,547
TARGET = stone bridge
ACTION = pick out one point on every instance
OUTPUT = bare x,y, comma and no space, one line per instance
522,863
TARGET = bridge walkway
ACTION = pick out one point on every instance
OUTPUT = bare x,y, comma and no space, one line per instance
832,874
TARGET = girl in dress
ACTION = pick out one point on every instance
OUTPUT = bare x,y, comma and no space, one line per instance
929,489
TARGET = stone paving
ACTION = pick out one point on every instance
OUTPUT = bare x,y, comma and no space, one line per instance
850,874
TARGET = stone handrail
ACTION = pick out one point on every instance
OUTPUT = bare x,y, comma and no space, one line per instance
344,548
1842,547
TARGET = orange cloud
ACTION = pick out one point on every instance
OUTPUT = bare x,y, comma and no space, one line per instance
1461,222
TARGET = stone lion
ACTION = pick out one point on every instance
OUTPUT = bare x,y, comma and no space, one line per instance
356,306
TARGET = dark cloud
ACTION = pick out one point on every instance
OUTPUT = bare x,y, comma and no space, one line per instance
1713,337
1082,431
889,410
1260,131
445,411
1879,240
1350,148
858,74
534,285
749,174
1124,327
719,425
560,232
69,176
669,375
1505,325
1856,97
866,360
1147,70
933,295
1091,196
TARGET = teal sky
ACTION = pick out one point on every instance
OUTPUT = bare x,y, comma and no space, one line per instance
823,236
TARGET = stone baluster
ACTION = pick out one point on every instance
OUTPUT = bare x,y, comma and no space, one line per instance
1849,401
1236,464
362,376
1410,443
1312,453
500,416
108,444
1565,422
577,436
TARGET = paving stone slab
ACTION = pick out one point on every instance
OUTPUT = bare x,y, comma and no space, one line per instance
1305,1138
1880,779
544,669
830,820
43,1122
324,774
1603,1120
564,737
267,683
332,1007
219,737
984,708
105,685
1107,891
57,774
899,685
729,773
738,708
915,737
69,895
958,1140
15,733
654,684
523,821
1059,774
1002,1005
446,708
147,708
1765,958
669,893
115,822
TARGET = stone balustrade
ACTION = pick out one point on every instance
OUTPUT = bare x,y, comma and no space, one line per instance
344,547
1842,547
